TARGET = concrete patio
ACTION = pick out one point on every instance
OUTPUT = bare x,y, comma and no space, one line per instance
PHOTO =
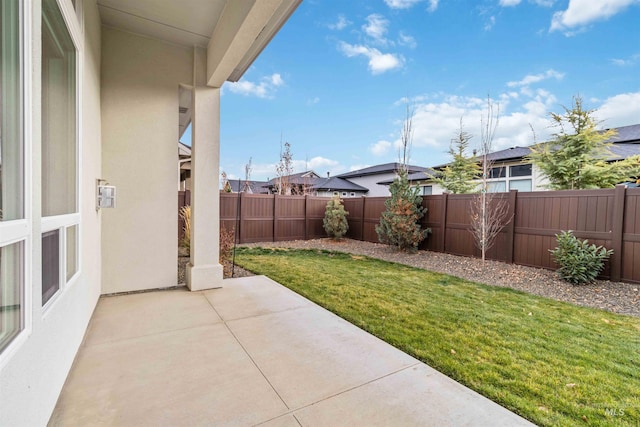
252,353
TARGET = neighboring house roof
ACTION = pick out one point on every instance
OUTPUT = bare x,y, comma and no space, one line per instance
184,151
301,178
317,183
380,169
622,151
627,134
257,187
413,177
337,184
625,144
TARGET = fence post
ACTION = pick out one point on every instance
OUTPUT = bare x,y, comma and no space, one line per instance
443,222
306,217
240,215
511,225
275,217
619,197
364,201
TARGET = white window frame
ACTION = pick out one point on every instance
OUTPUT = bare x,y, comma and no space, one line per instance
521,179
62,222
21,230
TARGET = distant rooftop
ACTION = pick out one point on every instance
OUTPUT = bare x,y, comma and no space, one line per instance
380,169
336,183
626,143
257,187
627,134
413,177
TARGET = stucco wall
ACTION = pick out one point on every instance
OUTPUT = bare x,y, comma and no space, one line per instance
370,182
140,82
34,374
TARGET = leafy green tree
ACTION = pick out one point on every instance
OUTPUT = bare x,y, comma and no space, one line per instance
399,225
335,219
578,159
460,176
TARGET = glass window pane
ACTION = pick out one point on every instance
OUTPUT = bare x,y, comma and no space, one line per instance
520,170
11,294
520,185
496,187
59,152
50,264
498,172
11,146
72,251
427,190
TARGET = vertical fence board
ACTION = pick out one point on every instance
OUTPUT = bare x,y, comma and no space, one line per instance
355,207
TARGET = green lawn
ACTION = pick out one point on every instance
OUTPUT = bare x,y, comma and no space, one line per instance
551,362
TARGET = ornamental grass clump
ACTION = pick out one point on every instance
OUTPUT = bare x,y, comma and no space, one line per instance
185,214
579,261
335,219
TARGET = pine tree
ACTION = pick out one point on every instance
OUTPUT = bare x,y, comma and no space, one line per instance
335,219
459,176
399,225
578,160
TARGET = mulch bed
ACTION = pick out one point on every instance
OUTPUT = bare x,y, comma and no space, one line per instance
617,297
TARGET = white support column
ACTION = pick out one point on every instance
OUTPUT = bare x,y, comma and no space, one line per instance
204,270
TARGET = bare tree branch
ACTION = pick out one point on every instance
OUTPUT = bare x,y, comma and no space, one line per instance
489,213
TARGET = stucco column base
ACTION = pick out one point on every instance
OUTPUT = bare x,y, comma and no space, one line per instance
204,277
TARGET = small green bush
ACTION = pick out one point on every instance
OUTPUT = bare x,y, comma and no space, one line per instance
579,261
335,219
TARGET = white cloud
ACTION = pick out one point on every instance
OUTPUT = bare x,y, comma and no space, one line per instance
407,4
620,110
376,27
436,121
626,61
535,78
263,89
507,3
380,148
407,40
262,171
378,62
401,4
316,164
490,23
276,80
313,101
580,13
341,23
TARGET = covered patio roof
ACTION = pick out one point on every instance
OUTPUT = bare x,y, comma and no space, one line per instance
233,33
252,353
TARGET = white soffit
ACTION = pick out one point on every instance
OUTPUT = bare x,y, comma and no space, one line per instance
243,28
184,22
272,27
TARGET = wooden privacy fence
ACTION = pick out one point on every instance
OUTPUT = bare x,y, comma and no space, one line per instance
609,217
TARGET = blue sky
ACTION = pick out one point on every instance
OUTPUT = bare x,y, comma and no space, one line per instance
336,79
